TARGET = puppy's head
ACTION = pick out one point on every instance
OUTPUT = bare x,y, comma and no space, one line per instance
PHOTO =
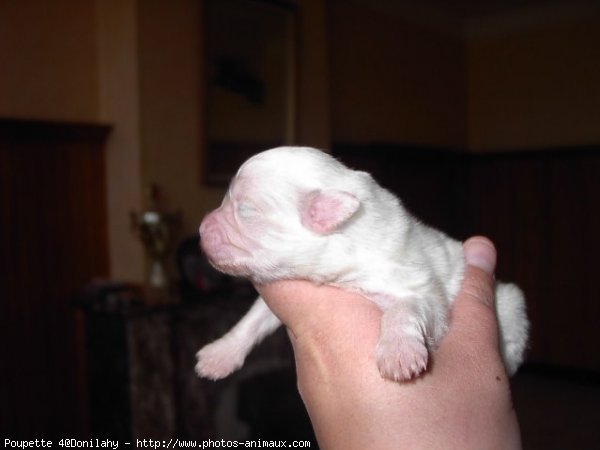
279,214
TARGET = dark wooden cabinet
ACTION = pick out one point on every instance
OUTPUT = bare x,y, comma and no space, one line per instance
142,381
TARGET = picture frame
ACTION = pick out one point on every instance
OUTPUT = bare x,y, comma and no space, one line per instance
250,82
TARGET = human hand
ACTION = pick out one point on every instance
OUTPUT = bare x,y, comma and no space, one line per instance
462,401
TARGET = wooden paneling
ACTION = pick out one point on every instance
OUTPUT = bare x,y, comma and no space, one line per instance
541,209
429,182
52,242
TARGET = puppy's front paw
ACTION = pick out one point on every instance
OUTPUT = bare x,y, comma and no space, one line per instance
402,358
218,359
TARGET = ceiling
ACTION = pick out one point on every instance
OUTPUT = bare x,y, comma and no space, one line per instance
469,9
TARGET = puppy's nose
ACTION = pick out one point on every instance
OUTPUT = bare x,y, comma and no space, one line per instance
211,235
206,224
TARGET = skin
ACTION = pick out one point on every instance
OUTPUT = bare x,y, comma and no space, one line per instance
462,401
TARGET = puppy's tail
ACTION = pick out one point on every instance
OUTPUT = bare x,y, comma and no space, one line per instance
513,324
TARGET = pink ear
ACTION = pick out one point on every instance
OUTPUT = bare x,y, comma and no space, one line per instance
325,211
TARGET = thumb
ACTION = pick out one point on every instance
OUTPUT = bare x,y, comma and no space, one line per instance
480,252
474,308
480,263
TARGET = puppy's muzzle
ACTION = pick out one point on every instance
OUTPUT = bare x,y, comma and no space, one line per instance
212,238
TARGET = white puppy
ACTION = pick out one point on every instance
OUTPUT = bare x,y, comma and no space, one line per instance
297,213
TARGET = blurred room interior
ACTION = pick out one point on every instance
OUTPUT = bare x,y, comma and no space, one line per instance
482,115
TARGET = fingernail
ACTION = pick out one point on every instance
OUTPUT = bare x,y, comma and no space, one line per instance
480,252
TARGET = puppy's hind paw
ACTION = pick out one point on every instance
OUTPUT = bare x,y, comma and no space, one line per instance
217,360
401,360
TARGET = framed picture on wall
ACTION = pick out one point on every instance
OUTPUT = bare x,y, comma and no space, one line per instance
250,69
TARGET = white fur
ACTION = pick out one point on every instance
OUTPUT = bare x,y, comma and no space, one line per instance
297,213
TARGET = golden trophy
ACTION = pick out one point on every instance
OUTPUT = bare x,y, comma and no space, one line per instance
155,229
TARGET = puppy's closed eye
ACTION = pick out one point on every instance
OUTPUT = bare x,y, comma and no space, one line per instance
246,210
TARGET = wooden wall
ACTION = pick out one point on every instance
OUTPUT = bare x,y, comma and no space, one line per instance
52,242
541,209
